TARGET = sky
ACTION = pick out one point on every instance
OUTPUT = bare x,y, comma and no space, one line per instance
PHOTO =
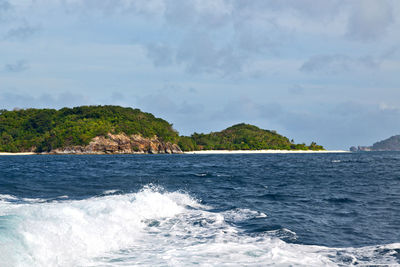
324,71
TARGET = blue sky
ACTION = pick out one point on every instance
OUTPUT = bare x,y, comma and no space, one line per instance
325,71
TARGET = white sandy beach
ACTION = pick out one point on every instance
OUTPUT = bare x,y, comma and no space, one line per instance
16,154
269,151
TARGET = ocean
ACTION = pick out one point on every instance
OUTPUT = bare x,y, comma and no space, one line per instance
338,209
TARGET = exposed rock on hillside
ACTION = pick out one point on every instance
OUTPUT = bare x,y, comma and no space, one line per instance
122,144
123,130
49,130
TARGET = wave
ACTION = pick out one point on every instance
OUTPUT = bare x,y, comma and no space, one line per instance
154,227
6,197
238,215
340,200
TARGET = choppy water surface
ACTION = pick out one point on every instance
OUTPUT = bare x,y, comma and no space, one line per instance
215,210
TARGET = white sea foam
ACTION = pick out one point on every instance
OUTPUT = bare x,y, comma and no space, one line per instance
238,215
33,200
151,227
6,197
110,192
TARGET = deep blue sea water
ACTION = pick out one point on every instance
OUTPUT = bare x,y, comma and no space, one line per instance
208,210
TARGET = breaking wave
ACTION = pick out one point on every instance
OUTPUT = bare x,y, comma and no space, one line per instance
153,227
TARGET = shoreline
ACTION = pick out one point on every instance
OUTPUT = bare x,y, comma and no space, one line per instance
17,154
265,151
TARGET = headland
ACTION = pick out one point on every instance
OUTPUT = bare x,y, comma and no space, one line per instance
265,151
119,130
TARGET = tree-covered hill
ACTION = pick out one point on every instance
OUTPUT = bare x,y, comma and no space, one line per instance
42,130
242,137
45,130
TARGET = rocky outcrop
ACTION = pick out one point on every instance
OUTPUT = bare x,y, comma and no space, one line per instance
390,144
360,148
122,144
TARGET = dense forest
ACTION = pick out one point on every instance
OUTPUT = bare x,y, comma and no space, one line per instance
42,130
242,137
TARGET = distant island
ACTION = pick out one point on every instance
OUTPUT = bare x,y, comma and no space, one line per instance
119,130
390,144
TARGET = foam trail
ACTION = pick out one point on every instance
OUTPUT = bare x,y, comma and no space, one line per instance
5,197
110,192
72,232
151,227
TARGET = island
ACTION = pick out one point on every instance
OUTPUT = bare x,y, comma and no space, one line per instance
389,144
121,130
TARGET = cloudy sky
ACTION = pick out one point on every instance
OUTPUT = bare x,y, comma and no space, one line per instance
325,71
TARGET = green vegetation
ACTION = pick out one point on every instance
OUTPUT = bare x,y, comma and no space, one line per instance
42,130
242,137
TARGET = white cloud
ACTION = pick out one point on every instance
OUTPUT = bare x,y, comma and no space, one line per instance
22,32
18,66
335,64
223,48
161,54
370,20
10,100
4,5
